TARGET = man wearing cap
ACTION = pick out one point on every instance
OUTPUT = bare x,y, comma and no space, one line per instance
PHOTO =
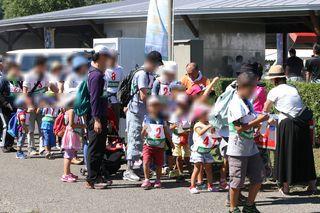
79,73
97,119
141,87
194,76
113,76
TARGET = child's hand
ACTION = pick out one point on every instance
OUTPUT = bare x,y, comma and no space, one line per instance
272,121
263,117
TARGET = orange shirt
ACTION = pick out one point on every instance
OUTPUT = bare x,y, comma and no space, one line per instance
188,83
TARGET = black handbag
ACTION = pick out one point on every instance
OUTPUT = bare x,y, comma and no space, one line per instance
303,117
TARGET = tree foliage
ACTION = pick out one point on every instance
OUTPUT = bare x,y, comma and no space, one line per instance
17,8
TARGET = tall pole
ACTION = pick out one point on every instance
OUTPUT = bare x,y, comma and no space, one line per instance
171,31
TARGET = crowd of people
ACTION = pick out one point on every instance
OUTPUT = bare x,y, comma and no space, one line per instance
170,129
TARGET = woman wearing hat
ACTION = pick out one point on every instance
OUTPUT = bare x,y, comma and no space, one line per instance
294,156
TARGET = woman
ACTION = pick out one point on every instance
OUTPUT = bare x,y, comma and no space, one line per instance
294,156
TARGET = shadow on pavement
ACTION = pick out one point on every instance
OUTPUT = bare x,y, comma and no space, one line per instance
289,201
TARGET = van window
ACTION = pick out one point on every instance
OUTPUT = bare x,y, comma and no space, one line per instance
28,61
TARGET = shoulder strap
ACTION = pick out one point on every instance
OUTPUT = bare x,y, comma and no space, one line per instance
36,85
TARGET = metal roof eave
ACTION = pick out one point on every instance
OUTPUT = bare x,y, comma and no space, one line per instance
226,12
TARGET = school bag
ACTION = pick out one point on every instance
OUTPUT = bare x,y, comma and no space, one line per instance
218,116
82,102
59,126
13,125
124,94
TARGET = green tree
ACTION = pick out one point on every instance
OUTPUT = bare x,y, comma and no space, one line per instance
17,8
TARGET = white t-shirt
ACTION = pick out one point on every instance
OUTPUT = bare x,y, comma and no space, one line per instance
31,79
183,126
72,82
113,78
286,99
241,144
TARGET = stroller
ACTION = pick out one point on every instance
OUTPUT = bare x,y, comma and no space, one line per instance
114,156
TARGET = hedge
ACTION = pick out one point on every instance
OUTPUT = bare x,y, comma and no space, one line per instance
309,92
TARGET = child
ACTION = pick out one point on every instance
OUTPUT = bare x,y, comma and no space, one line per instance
243,154
180,126
204,140
49,114
162,87
23,122
155,132
71,143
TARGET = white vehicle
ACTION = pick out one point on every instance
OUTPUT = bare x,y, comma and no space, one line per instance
26,58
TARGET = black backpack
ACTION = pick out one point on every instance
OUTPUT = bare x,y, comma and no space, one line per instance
124,93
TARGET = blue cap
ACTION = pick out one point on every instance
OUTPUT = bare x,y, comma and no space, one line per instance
79,61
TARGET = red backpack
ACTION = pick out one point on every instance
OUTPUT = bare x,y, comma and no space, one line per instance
59,126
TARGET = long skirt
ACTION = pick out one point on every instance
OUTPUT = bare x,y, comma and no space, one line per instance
294,155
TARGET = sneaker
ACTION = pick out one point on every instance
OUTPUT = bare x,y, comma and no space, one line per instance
193,190
5,149
235,210
68,179
224,185
20,155
146,184
11,149
100,186
32,152
212,189
157,184
74,176
130,176
250,209
49,156
201,186
41,151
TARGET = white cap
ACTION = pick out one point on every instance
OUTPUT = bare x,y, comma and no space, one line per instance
101,49
169,67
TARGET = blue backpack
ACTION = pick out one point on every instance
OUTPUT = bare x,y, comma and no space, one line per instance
13,125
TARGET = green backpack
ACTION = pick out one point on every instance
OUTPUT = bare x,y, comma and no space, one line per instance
82,103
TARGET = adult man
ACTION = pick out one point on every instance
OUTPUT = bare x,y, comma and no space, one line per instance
114,75
294,66
36,83
194,76
97,119
141,87
313,66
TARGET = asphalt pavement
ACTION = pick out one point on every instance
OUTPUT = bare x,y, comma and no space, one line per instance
33,185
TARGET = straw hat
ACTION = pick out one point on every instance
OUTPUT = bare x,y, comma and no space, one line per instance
275,71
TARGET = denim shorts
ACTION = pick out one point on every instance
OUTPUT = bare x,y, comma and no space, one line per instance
196,157
49,139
